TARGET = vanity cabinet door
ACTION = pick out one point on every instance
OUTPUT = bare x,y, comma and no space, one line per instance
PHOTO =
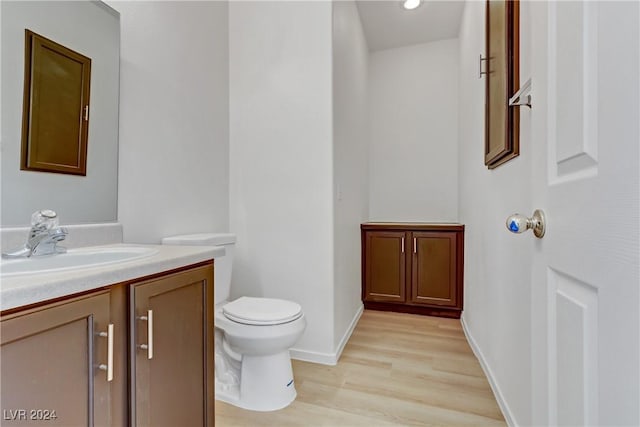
172,363
433,268
51,359
384,266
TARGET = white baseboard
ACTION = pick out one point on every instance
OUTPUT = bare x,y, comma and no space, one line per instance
348,332
502,403
328,358
313,356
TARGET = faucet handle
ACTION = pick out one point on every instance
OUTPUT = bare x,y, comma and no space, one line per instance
44,219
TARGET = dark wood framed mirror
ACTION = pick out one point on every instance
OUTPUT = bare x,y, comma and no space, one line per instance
502,123
55,118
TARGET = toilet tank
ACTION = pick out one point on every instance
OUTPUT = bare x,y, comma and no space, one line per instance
222,266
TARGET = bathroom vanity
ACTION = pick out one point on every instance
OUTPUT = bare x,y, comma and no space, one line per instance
413,267
125,344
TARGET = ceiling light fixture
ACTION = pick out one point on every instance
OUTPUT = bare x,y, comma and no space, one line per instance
411,4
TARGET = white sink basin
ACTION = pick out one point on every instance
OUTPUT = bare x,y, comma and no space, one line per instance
74,259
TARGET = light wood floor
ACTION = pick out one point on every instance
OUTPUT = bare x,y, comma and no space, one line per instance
397,369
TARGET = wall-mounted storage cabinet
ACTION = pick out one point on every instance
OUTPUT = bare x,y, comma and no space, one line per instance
413,267
55,118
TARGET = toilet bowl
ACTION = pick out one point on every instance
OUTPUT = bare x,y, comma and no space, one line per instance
252,337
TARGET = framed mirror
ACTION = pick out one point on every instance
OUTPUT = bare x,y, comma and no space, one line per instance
93,29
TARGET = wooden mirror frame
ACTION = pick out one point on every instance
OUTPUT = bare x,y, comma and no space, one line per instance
501,145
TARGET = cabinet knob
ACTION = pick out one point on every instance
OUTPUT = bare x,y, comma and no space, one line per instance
517,223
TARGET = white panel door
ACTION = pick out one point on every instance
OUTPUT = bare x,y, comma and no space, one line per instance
585,131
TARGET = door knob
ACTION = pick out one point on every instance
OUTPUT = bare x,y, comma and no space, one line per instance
517,223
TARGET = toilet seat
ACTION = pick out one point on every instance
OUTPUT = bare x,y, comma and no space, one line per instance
261,311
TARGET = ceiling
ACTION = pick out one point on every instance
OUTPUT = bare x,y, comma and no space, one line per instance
388,25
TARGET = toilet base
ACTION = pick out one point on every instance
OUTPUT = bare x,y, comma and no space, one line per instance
266,384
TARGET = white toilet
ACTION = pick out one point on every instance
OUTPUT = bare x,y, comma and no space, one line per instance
252,337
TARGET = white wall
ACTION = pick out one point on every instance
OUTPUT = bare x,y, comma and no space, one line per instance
173,165
413,94
350,162
281,159
497,263
76,199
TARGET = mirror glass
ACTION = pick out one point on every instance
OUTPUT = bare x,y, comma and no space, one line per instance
93,29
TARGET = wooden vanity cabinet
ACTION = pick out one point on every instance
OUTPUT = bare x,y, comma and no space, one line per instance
52,355
413,267
50,364
171,350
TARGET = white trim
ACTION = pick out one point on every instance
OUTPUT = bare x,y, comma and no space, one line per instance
328,358
349,331
313,356
502,403
80,235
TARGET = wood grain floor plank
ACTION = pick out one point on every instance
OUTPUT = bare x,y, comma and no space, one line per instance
397,370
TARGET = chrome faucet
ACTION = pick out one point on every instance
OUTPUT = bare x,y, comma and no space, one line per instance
43,237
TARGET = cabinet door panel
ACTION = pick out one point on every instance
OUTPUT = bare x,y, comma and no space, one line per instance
433,269
172,388
385,268
49,362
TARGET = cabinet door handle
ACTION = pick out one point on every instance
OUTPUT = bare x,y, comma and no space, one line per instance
403,245
109,366
415,248
149,345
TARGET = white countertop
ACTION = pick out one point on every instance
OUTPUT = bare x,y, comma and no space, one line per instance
17,291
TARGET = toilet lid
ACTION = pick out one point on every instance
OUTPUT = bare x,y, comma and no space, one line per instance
262,311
